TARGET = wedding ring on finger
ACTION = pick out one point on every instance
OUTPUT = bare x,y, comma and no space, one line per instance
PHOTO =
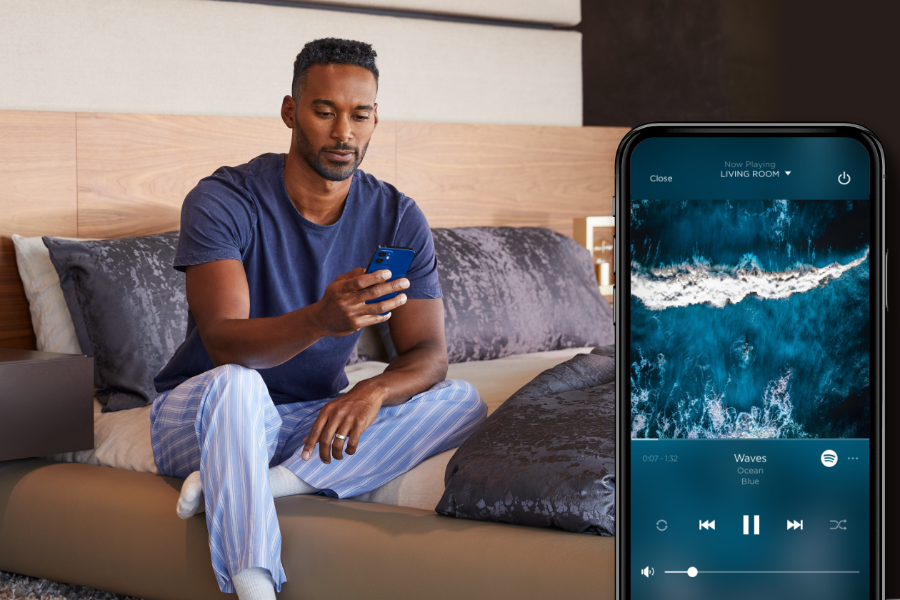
340,437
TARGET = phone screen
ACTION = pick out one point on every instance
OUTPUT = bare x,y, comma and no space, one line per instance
750,366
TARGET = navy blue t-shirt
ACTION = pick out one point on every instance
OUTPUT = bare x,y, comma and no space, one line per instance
244,213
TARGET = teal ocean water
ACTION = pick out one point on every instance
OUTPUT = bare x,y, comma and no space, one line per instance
750,319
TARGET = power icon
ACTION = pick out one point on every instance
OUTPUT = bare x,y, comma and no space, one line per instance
843,178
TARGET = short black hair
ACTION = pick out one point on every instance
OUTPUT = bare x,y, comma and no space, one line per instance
327,51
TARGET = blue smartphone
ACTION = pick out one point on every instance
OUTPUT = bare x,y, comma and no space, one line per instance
395,260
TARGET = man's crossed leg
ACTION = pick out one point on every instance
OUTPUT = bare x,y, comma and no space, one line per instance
245,450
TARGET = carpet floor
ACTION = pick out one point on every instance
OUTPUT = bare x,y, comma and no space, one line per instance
20,587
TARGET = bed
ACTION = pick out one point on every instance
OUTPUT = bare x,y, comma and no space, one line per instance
75,519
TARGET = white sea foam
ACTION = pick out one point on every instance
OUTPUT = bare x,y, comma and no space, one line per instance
699,282
710,417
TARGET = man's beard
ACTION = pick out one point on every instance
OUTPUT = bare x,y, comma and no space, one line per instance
318,162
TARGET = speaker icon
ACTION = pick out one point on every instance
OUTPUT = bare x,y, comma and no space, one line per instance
647,571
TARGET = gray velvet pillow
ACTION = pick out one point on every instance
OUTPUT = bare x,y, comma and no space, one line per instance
515,290
356,357
129,309
546,457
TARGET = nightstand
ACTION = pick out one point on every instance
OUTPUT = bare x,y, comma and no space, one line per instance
46,403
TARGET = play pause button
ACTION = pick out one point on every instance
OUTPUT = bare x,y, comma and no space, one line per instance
747,524
794,525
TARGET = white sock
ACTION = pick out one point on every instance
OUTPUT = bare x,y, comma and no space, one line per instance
254,584
191,500
285,483
281,480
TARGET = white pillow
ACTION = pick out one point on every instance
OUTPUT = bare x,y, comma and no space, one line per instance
50,316
121,441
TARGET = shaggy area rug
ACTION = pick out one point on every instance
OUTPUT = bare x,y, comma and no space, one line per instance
20,587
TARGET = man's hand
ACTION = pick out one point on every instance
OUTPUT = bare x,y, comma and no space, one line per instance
349,415
343,309
219,298
417,330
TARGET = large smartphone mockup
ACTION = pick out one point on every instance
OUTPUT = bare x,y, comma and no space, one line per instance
749,302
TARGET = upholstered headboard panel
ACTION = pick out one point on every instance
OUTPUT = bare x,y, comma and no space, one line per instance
117,175
551,12
236,58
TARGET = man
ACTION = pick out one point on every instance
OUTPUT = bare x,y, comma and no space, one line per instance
272,252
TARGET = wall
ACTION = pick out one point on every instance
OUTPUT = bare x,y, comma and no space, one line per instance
211,57
553,12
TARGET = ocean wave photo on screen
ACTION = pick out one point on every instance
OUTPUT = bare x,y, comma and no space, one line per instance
750,319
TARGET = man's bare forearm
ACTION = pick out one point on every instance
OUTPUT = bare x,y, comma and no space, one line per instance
263,343
412,373
219,299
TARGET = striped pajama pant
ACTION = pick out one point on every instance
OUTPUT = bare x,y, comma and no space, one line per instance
224,424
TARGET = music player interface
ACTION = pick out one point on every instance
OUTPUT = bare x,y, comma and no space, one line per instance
750,362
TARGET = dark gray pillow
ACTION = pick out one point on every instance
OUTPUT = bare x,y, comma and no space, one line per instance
546,457
515,290
356,357
129,309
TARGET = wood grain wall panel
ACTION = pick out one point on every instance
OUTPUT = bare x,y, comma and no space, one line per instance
117,175
37,197
15,320
381,155
135,170
468,175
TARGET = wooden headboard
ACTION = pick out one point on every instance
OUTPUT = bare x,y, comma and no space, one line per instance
118,175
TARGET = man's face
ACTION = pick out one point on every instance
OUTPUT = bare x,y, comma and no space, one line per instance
334,118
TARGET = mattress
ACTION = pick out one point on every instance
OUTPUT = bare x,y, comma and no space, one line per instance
122,439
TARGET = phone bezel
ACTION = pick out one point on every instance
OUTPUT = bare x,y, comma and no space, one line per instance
621,210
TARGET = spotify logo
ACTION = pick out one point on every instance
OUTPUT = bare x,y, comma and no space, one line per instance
829,458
